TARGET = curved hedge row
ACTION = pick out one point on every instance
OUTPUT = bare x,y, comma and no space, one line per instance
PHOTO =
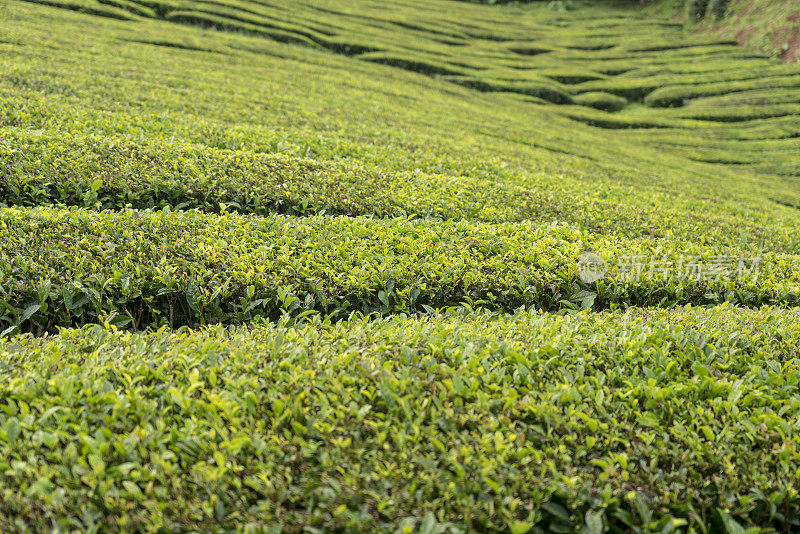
146,268
640,421
48,167
405,420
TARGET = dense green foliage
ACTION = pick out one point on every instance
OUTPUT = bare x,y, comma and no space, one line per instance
64,267
717,9
696,9
313,266
637,421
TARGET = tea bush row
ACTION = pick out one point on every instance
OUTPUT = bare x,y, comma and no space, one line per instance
638,421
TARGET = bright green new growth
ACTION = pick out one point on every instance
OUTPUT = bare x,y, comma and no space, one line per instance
511,421
188,268
314,264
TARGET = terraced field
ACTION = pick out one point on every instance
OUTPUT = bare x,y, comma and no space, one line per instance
313,266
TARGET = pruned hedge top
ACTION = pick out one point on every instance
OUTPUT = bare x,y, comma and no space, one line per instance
61,267
649,420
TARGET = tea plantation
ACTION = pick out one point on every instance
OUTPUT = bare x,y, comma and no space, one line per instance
318,266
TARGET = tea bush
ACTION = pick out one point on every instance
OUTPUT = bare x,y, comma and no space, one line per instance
314,266
696,9
646,420
600,100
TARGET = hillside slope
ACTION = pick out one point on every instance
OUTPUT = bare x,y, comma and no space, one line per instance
317,265
771,27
